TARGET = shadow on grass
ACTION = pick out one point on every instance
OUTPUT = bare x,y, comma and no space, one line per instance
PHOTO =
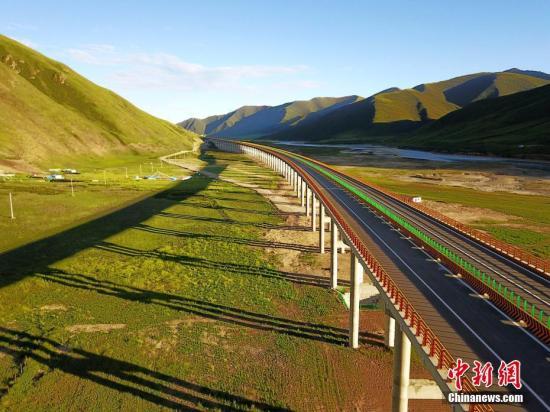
227,314
155,387
302,279
234,222
38,255
227,239
237,209
158,388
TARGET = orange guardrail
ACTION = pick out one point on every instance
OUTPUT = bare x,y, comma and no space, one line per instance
426,337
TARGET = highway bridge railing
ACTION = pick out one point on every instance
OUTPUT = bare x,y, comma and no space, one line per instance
432,346
519,255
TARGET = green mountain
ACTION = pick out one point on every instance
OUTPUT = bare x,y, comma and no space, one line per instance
217,123
514,125
394,111
254,121
49,112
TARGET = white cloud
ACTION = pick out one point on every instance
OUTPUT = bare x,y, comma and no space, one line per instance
167,71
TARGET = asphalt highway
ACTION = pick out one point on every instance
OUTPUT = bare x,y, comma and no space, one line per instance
467,324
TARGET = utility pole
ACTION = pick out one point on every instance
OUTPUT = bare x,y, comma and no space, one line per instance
11,207
72,188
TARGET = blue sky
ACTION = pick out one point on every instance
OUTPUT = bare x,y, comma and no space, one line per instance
180,59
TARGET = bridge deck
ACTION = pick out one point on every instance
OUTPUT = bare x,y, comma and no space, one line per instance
469,326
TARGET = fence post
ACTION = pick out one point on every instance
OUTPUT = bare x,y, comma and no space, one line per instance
12,216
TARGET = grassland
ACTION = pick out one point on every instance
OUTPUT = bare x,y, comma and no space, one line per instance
171,303
42,208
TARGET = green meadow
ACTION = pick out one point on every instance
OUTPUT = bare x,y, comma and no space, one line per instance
152,295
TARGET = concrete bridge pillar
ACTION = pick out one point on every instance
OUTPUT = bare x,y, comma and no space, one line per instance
356,279
401,371
334,255
321,227
303,194
314,213
389,333
308,201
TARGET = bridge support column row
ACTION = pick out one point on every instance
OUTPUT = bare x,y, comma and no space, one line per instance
394,336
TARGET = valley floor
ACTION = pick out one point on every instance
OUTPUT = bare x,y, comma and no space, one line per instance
203,296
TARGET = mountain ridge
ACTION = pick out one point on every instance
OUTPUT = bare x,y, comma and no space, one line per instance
252,121
398,111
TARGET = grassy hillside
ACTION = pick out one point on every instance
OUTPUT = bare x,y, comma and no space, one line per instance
253,121
396,111
48,111
517,125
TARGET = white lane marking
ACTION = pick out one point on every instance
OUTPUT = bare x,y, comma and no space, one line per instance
450,309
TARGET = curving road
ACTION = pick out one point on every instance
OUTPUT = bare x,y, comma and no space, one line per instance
468,325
